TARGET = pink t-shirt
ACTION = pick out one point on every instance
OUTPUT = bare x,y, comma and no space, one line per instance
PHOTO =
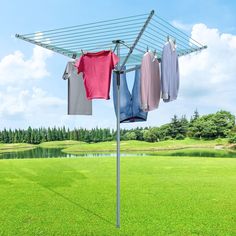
96,68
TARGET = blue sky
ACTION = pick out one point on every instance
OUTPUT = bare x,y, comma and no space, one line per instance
38,97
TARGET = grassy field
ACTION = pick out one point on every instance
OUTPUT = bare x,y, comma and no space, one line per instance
59,144
144,146
73,147
159,196
15,147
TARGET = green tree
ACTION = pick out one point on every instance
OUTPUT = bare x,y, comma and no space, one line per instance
5,136
130,136
28,135
195,116
178,127
224,122
149,136
212,126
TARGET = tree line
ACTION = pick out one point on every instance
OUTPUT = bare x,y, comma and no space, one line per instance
218,125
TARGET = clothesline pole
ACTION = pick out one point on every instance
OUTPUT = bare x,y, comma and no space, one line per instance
117,71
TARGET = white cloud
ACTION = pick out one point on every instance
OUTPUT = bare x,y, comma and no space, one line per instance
213,70
23,102
21,99
181,26
15,69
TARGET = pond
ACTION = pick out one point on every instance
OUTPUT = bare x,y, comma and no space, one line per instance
57,153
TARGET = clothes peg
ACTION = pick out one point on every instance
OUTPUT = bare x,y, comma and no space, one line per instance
154,55
74,55
147,49
82,51
168,38
174,41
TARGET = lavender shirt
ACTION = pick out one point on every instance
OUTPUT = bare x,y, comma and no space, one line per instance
169,72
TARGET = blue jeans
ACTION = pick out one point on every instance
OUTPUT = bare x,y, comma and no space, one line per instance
130,104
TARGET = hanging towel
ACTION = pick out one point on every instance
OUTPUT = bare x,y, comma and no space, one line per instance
150,82
96,68
130,104
78,104
169,72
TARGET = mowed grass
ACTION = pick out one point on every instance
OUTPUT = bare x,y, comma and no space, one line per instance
15,147
159,196
59,144
73,147
143,146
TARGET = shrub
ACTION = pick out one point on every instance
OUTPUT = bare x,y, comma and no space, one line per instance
232,139
179,136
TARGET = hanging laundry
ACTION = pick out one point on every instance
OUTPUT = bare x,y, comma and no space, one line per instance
78,104
150,82
130,104
96,68
169,72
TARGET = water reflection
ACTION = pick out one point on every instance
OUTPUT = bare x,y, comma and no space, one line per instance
57,152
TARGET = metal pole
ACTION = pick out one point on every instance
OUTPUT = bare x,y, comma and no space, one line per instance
137,39
118,140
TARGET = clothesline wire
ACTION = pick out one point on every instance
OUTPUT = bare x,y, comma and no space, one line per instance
180,31
126,45
147,42
98,38
84,27
169,31
92,46
90,42
86,47
152,42
125,27
180,41
145,32
94,34
141,44
164,34
173,30
159,44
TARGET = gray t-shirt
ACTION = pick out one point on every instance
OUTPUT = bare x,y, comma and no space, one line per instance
78,104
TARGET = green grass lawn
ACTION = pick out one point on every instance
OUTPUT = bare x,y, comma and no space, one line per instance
143,146
15,147
159,196
59,144
73,147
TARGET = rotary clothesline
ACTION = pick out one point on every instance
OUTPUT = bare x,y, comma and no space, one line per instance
132,37
98,36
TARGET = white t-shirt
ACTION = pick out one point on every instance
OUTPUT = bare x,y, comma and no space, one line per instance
78,104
